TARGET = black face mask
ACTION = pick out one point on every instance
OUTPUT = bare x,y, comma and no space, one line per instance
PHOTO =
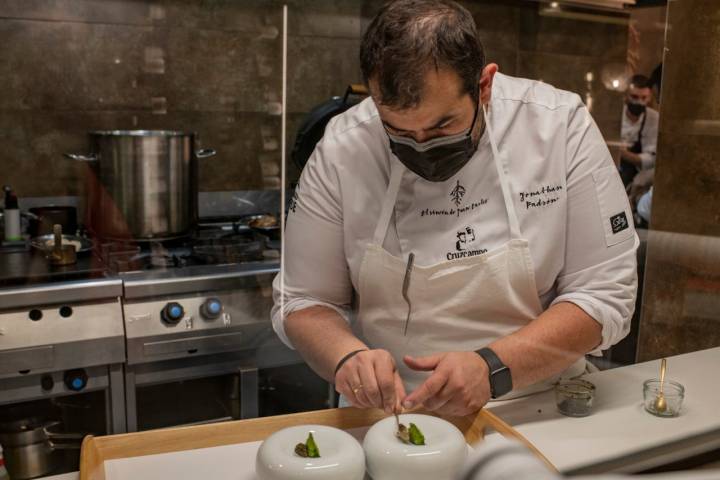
635,109
437,159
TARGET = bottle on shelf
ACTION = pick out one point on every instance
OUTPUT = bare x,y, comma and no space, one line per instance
12,216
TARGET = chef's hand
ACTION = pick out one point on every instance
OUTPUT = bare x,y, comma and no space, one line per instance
370,380
458,386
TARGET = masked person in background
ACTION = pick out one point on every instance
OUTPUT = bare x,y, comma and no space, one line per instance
459,235
639,132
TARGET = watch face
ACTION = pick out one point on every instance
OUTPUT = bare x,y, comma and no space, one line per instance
501,382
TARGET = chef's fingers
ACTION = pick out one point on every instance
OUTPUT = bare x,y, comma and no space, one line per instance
399,393
358,390
428,389
385,376
370,389
348,384
424,364
442,399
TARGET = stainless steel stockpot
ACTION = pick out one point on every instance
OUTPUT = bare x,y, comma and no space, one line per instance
145,183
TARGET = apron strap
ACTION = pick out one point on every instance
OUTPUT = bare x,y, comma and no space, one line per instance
388,206
637,146
501,167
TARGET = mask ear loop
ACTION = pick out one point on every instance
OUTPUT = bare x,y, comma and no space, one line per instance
477,110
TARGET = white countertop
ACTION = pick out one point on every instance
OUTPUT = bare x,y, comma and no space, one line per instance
619,435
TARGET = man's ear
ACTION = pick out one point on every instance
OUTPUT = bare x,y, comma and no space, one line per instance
486,80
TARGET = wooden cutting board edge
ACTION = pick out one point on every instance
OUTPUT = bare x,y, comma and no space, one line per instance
96,450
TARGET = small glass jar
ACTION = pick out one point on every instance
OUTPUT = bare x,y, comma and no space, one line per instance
673,392
574,398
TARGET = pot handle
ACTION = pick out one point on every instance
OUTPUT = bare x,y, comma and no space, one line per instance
91,157
64,436
205,153
62,441
65,446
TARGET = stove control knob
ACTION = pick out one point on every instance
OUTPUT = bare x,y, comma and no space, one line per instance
76,380
211,309
172,313
47,383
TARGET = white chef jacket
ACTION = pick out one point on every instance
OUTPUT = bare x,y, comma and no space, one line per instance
570,201
649,135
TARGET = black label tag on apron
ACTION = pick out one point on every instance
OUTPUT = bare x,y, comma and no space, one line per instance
619,222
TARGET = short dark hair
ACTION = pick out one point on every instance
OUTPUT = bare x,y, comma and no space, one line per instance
640,81
408,37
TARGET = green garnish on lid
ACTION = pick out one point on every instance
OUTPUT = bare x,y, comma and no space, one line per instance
309,449
416,436
313,450
411,435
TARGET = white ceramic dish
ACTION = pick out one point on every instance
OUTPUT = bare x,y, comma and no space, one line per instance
341,456
388,458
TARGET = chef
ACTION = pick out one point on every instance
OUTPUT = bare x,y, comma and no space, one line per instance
459,235
639,131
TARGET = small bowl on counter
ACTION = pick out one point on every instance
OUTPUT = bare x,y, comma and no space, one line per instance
341,456
574,398
673,393
441,458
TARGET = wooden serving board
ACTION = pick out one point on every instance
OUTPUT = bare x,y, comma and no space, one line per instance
96,450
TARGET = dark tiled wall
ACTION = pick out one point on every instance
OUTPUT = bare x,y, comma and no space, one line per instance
70,66
215,67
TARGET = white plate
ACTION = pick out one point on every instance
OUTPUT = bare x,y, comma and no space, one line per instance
388,458
341,456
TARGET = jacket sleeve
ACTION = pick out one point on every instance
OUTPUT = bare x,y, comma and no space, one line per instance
315,270
600,268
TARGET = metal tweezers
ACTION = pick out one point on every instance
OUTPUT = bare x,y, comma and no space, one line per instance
406,286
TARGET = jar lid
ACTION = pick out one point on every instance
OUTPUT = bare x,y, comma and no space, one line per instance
576,388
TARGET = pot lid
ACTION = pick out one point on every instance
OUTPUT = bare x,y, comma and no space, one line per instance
22,425
142,133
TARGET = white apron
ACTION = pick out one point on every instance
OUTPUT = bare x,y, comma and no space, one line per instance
457,305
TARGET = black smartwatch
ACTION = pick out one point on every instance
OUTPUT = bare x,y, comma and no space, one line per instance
499,373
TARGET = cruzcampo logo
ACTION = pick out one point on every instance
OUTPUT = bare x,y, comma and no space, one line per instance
457,194
465,239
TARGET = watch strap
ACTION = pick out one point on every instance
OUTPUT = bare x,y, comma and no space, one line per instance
498,373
